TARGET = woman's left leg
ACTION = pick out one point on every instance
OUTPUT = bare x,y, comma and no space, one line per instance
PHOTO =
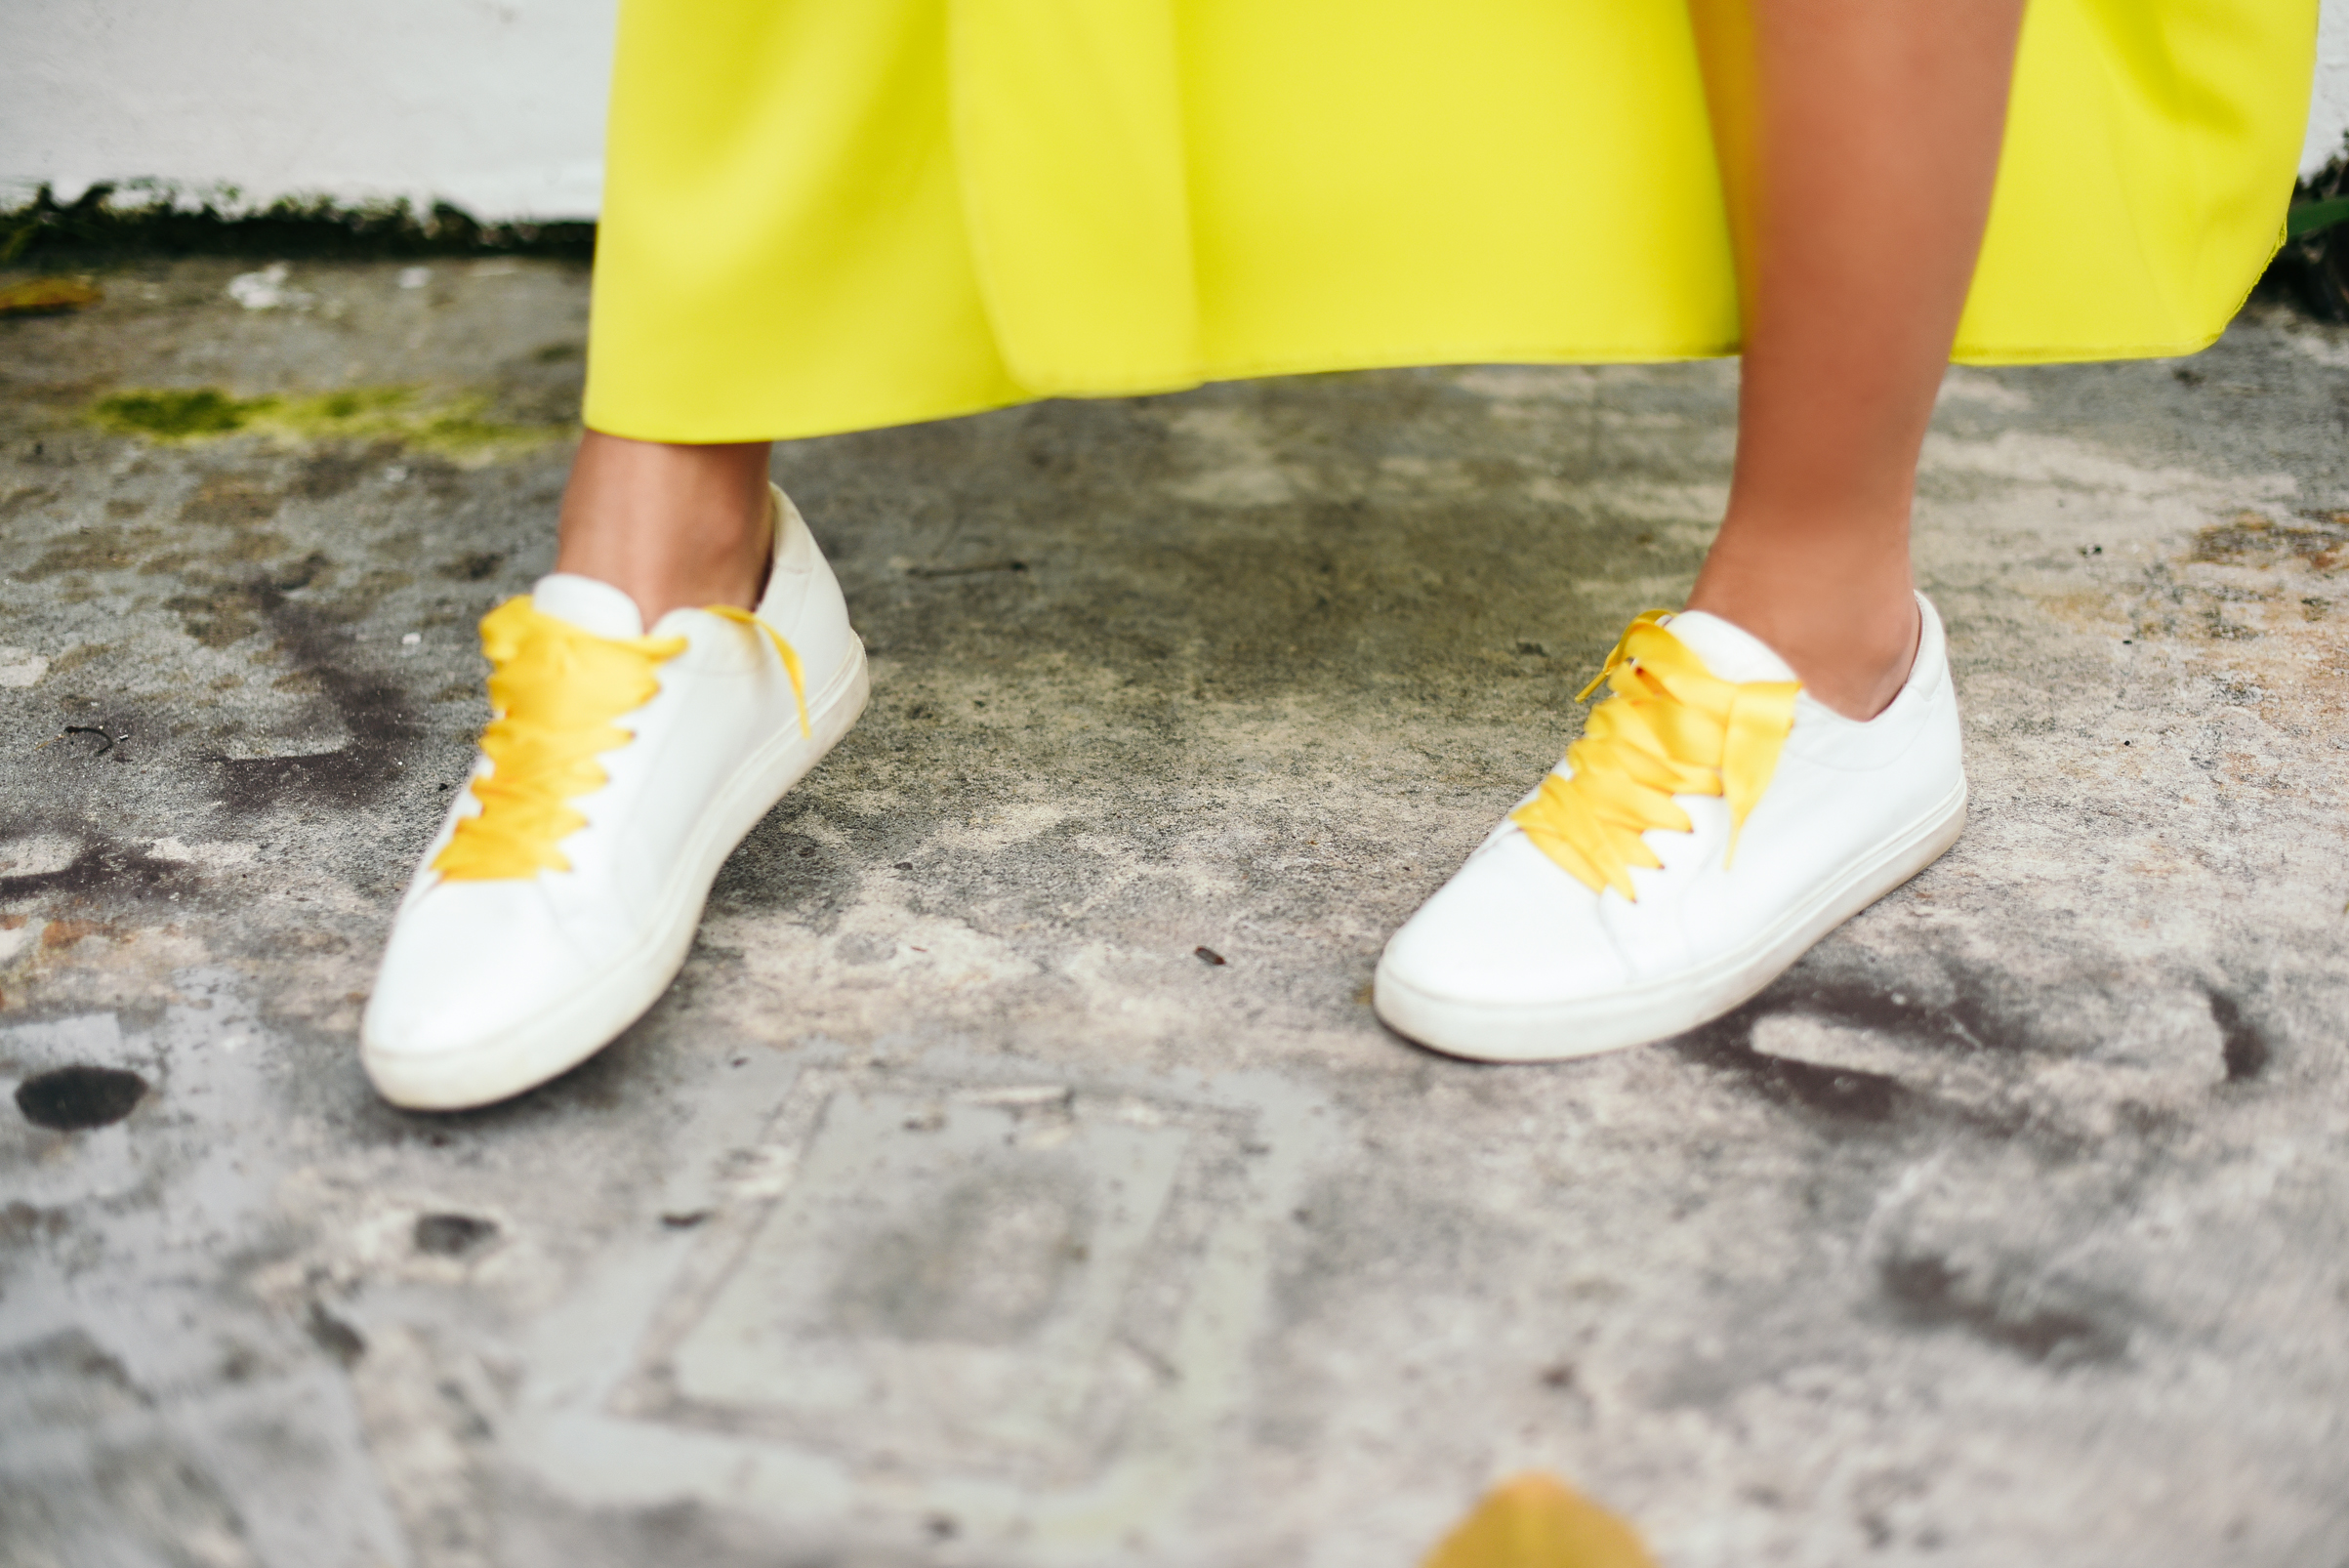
1859,142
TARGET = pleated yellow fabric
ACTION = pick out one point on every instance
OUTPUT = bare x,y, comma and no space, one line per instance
828,215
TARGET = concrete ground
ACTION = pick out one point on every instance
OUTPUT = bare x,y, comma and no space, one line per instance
1016,1175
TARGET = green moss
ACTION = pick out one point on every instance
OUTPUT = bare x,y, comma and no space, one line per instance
466,433
353,411
175,415
459,427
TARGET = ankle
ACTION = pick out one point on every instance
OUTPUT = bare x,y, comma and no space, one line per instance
711,565
670,526
1853,659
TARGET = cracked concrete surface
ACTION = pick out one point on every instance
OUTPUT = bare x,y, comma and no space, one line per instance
957,1207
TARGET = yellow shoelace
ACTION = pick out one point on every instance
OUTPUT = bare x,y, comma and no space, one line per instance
1670,727
554,692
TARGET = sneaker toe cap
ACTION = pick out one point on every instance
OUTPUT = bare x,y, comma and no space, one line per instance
1509,929
468,963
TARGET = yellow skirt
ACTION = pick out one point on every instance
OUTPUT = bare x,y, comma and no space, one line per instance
828,215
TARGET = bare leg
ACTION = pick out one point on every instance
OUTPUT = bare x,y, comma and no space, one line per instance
1860,141
667,525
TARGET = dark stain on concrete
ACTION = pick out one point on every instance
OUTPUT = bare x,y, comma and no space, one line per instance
766,871
220,611
78,1099
21,1224
335,1336
23,499
334,470
382,723
2319,541
474,566
1842,1094
102,868
451,1235
1957,1007
1928,1290
230,500
61,1382
73,659
2244,1046
215,619
72,1351
106,547
1844,1097
310,571
1947,1008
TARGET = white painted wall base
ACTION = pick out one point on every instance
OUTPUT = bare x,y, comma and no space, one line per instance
2329,114
494,105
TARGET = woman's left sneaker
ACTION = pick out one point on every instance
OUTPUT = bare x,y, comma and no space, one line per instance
1712,823
618,772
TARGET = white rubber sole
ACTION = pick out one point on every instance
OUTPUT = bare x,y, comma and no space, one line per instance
1559,1031
555,1041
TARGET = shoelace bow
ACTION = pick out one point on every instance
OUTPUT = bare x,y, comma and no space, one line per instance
1669,727
556,691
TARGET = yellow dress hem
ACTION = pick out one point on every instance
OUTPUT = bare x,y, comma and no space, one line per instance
834,215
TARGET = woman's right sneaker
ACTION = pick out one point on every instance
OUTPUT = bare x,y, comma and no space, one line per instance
1712,823
618,772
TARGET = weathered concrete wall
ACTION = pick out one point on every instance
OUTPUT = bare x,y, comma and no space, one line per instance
495,104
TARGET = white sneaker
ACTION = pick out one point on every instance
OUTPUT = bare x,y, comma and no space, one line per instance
1622,901
619,771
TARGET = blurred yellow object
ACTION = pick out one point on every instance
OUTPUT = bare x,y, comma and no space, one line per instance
826,215
46,295
1535,1521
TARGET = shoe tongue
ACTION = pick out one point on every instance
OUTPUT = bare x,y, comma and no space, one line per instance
1730,653
594,607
